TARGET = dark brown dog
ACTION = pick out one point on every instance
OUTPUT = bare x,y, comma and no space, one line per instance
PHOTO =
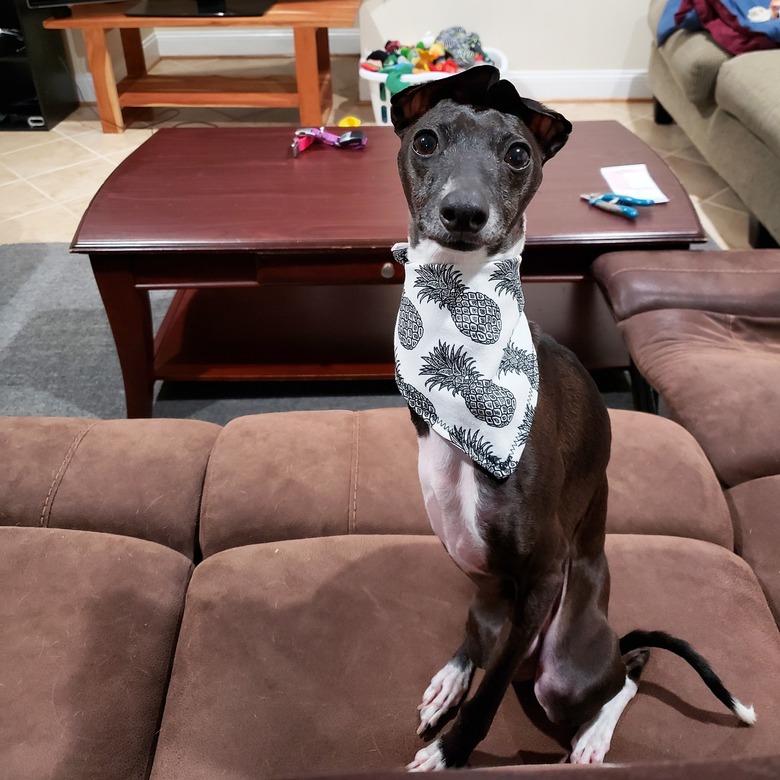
471,159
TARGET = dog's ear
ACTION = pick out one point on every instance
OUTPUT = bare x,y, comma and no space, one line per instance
469,87
550,129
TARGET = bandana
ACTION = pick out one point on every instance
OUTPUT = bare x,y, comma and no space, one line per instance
464,358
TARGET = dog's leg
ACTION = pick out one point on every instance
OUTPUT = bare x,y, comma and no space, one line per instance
584,678
531,609
448,687
592,741
487,616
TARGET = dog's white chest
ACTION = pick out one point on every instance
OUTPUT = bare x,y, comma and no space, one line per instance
449,485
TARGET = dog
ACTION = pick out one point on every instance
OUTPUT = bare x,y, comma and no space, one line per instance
529,533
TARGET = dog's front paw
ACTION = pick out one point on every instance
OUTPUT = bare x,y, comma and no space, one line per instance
428,759
446,690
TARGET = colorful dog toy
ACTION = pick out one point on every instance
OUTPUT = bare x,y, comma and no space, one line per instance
306,136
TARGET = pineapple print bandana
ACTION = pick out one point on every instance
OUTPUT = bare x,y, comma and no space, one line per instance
464,358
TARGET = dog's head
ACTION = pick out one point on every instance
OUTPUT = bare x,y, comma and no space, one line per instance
471,158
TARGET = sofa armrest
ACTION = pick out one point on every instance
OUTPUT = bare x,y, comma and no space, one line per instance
140,478
740,282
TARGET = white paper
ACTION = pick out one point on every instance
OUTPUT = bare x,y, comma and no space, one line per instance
633,180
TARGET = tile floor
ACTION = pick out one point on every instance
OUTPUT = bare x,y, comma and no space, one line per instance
48,178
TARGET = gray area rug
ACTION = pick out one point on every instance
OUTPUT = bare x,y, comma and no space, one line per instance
57,355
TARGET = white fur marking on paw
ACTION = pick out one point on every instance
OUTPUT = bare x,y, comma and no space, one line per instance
447,688
744,713
592,741
428,759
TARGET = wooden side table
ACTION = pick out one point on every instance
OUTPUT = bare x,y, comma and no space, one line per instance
310,91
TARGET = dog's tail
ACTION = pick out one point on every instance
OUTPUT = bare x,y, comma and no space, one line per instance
638,640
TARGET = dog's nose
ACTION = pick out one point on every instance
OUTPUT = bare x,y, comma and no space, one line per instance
464,211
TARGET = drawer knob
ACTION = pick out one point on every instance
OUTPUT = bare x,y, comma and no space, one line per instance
387,271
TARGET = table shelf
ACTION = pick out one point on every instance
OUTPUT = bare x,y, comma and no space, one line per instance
225,91
278,333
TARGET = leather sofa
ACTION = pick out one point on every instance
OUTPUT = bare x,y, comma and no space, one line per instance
729,107
703,329
180,600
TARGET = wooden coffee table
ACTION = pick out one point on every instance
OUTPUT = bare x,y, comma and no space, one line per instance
283,266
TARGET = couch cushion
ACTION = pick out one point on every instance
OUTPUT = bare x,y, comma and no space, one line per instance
695,61
310,656
87,627
748,88
719,376
660,482
733,282
303,474
755,508
140,478
693,57
306,474
33,451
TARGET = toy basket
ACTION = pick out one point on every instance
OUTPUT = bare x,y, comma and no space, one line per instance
380,96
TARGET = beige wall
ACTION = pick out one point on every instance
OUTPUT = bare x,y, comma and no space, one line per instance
571,49
586,49
567,35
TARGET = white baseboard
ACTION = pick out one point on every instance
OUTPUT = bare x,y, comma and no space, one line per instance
581,84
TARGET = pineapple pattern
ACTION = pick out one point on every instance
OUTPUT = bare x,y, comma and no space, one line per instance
464,356
473,313
507,278
415,398
473,443
450,368
520,361
410,324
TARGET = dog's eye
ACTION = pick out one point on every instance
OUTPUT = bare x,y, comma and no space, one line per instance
425,143
517,156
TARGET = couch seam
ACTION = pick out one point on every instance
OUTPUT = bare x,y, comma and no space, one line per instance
730,319
43,521
355,473
197,550
205,495
168,677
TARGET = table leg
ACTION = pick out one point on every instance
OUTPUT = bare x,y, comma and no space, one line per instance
323,66
102,70
130,317
134,52
309,55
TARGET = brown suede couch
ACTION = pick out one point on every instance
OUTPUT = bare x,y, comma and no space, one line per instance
703,329
266,599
